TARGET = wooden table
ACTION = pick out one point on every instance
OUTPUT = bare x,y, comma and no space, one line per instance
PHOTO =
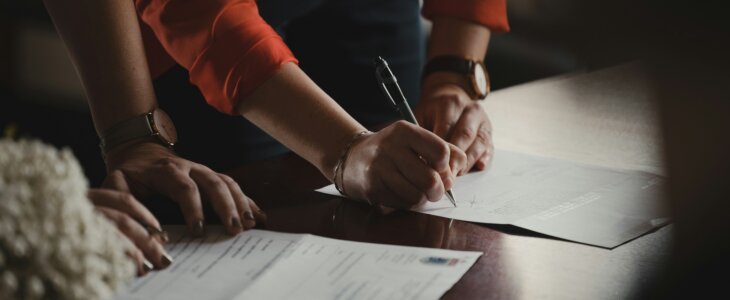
605,118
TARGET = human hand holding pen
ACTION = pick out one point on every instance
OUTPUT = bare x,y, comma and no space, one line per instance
392,92
387,167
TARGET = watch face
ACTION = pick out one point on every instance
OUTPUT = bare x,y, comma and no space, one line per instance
481,81
164,126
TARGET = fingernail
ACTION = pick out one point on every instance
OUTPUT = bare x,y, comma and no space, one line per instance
250,219
147,265
235,222
166,260
264,216
480,165
164,236
198,228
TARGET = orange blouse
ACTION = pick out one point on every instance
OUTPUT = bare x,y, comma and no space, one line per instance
229,50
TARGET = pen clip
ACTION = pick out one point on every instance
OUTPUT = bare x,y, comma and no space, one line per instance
388,95
385,76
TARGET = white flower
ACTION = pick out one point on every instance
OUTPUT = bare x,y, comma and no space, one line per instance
53,244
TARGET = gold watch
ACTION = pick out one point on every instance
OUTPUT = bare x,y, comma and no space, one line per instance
155,124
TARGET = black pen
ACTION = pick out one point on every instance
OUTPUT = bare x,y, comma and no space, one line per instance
389,85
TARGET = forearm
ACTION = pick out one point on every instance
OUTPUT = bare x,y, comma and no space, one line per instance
451,36
293,109
105,43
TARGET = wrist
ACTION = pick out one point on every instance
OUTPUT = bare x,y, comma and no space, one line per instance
120,153
438,80
339,169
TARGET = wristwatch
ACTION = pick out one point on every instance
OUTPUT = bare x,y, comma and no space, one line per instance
475,72
155,125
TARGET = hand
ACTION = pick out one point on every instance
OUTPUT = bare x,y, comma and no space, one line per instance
129,215
451,114
401,166
145,169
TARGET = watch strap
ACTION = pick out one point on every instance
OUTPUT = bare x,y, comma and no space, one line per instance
448,63
472,71
128,130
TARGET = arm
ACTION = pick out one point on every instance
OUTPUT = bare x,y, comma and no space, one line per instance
243,67
385,167
116,96
110,60
460,29
445,107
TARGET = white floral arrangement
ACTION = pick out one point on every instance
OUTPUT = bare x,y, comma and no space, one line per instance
53,244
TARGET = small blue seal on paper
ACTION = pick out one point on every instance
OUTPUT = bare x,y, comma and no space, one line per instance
443,261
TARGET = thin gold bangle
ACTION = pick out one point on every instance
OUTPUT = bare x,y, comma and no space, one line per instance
340,166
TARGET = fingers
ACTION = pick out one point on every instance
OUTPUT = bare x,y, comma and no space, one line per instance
125,203
213,188
478,149
486,159
424,143
465,130
243,204
446,117
457,161
427,181
143,266
401,187
116,181
175,182
471,133
381,193
152,250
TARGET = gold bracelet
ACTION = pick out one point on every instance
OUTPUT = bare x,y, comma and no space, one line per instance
340,166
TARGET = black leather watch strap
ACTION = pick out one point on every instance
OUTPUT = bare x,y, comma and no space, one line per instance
449,64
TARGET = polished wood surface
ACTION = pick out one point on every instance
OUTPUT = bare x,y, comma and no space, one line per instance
516,264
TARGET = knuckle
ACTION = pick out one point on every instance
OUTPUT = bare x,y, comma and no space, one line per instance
215,182
125,223
187,186
227,179
127,202
127,199
474,108
443,150
451,99
167,163
401,126
482,135
153,247
432,181
465,132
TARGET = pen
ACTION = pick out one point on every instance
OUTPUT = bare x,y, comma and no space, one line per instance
389,85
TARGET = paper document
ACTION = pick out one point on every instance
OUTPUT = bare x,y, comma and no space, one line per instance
260,264
577,202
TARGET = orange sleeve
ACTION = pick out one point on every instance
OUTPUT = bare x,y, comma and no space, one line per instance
226,46
490,13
